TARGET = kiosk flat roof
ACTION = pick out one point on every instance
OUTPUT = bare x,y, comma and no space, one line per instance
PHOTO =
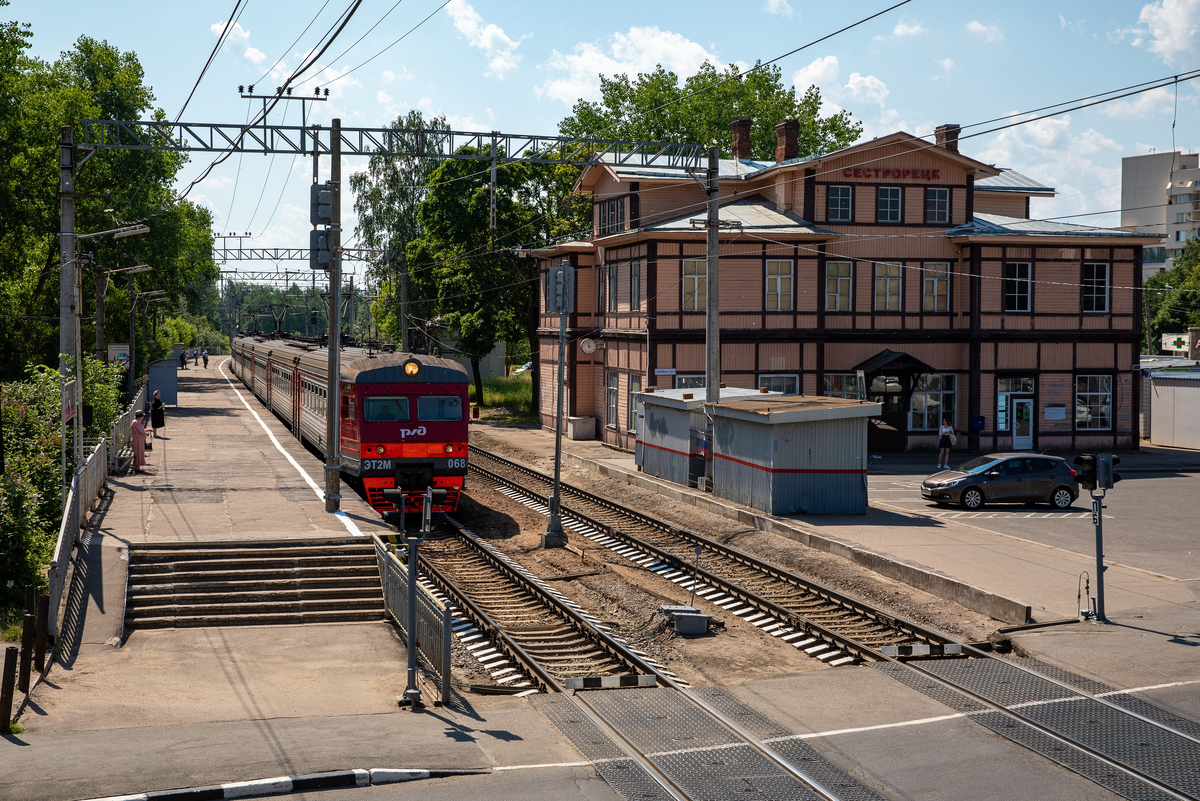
777,409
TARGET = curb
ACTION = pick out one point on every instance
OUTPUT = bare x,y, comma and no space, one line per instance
283,785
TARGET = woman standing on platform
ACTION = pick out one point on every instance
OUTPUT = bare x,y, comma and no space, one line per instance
945,442
158,415
138,440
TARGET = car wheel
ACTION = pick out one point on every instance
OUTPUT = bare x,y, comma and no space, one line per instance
972,498
1062,498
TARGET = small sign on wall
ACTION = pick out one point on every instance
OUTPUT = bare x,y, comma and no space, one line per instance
664,371
1055,411
1175,342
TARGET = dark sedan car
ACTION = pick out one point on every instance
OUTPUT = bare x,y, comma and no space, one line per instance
1004,478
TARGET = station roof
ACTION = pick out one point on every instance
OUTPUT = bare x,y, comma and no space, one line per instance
781,409
749,214
996,225
1013,181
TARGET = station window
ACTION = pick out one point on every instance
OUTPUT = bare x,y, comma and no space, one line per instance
1017,286
932,399
695,285
384,409
937,206
787,384
689,382
841,385
837,204
612,216
1093,402
600,291
779,285
612,287
837,286
887,204
1095,287
635,285
935,291
887,286
635,386
614,383
439,408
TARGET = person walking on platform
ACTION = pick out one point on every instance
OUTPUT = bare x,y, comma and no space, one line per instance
196,357
183,359
205,357
158,414
137,438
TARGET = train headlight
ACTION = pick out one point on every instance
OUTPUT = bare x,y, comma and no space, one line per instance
412,368
380,450
449,449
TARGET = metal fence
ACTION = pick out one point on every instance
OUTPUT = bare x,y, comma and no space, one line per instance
118,435
68,531
433,617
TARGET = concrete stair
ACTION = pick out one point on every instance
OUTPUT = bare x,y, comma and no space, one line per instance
264,582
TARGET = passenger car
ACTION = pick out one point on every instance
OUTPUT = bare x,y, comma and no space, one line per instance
1004,478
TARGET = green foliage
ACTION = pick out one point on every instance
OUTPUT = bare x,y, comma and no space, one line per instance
1174,296
656,107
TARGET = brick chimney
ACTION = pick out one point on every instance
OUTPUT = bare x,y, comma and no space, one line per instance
787,142
947,136
741,137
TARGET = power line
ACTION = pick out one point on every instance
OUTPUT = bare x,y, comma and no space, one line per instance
389,47
316,16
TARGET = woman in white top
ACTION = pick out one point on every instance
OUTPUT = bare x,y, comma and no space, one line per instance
944,443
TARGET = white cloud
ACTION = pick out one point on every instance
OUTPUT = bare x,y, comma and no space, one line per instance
1167,28
907,29
239,38
639,50
1083,167
822,73
867,87
990,33
390,76
457,122
1156,101
779,7
501,50
946,64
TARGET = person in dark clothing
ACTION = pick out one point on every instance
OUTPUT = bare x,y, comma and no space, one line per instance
158,416
183,359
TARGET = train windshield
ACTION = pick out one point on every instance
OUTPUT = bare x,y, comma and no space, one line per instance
385,409
439,408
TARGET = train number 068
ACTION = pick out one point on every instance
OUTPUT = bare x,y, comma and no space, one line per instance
456,464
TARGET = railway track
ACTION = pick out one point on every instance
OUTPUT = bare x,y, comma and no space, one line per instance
1115,739
653,740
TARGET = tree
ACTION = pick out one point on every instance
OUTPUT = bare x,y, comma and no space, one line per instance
1174,296
656,107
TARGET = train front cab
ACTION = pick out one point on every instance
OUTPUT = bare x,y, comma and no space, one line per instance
406,425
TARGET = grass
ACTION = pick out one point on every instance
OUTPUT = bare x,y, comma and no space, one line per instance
11,623
508,400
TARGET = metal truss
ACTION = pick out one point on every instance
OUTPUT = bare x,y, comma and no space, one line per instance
398,142
222,253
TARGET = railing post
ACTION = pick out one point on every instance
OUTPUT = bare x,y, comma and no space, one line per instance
446,623
7,681
27,637
43,624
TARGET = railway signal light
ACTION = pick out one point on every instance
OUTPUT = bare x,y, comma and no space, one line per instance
319,256
1105,477
320,211
1086,474
560,289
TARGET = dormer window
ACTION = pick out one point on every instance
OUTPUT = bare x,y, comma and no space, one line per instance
612,216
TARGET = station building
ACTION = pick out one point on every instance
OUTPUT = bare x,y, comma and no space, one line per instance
897,266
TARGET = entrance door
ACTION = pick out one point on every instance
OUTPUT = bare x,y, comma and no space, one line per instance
1022,427
889,431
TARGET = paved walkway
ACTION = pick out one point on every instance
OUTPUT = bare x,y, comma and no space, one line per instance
1147,459
185,707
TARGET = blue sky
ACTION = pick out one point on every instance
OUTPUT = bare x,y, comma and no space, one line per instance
519,67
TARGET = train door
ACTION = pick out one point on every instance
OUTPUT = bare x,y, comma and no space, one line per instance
296,397
270,380
348,428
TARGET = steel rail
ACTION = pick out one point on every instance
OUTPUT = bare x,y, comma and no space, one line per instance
812,783
851,646
906,625
909,627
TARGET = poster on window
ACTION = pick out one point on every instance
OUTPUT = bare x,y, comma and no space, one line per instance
1055,411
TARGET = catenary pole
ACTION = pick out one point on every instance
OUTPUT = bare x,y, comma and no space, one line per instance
404,346
66,258
333,467
712,371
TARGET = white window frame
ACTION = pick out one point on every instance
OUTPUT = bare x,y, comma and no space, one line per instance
1096,393
694,284
780,284
834,299
1002,396
941,386
1023,287
935,286
889,276
614,388
844,214
635,285
937,208
841,385
1099,300
894,208
631,407
772,380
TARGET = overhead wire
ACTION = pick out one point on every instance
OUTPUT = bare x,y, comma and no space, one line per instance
311,22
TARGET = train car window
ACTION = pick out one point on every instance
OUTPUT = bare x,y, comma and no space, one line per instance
384,409
348,407
439,408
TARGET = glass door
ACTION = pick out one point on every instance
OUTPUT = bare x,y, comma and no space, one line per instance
1022,424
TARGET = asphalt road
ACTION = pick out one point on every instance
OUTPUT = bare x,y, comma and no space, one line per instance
1149,520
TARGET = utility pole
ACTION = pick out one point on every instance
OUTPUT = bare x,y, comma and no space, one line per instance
560,297
712,365
66,266
350,308
333,467
1150,349
404,346
495,135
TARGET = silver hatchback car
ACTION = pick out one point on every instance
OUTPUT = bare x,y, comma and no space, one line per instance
1004,478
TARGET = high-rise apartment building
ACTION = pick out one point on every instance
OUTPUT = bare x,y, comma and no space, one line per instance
1160,194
